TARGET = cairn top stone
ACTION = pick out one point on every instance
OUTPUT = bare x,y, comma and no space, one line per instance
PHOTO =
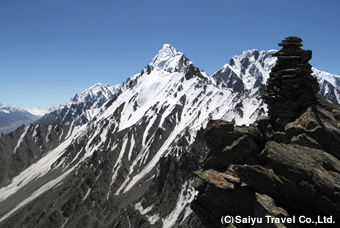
291,41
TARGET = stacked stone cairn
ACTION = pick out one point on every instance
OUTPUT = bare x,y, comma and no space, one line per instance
291,88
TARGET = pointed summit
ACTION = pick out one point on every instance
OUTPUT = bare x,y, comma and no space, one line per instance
169,59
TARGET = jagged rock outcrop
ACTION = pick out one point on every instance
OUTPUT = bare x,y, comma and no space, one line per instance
283,168
297,170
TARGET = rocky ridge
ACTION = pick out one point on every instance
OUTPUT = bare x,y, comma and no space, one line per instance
248,168
262,171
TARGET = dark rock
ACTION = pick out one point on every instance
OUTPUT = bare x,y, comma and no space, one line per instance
261,179
232,154
217,127
311,178
304,140
320,128
219,134
297,172
265,206
281,137
227,142
223,195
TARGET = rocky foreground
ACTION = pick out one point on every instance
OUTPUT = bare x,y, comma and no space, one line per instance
282,171
254,172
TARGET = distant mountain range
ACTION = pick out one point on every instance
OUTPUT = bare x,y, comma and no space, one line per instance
123,156
81,108
11,117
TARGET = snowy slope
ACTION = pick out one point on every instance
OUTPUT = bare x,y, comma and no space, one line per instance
329,85
126,154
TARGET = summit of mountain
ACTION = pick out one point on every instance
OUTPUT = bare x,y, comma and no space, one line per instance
170,60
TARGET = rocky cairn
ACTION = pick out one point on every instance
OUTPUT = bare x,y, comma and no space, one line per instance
284,166
291,88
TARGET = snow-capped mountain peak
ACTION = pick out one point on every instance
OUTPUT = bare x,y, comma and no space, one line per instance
96,90
251,70
169,59
246,71
82,107
11,108
11,117
15,109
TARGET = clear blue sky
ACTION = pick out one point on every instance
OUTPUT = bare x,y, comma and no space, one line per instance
53,49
